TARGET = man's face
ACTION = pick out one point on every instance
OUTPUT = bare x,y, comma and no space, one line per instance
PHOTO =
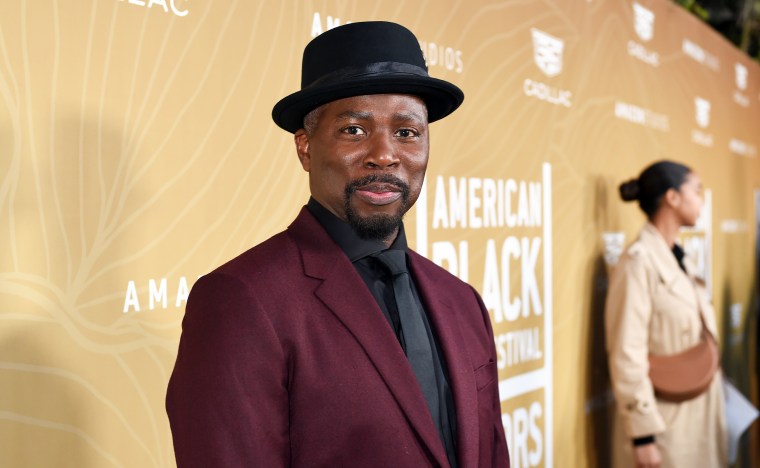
366,159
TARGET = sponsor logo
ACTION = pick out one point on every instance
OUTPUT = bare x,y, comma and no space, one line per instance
547,55
702,111
614,243
169,6
733,226
736,309
742,148
643,22
547,52
318,26
161,293
642,53
641,116
544,92
700,55
436,55
740,74
702,117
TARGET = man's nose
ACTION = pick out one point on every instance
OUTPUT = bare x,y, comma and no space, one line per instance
381,153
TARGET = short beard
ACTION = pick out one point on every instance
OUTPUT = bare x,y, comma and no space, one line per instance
376,227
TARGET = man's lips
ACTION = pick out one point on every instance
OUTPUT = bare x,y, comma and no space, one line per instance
378,193
379,187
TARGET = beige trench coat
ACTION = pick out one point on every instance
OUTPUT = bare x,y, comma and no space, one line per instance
652,308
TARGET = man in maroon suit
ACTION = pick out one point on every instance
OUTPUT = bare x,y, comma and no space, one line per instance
332,344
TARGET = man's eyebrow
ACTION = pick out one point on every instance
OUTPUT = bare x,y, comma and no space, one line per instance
350,114
366,115
408,116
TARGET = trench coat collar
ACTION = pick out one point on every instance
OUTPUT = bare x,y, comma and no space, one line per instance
345,294
662,256
691,289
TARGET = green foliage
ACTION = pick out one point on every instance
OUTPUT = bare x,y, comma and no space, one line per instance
694,7
737,20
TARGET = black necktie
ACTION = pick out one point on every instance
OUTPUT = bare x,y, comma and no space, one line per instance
418,349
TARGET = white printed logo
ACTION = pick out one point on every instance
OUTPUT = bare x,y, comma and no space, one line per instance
547,52
643,22
702,111
741,76
614,243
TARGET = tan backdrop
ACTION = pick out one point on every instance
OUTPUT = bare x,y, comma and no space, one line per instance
137,152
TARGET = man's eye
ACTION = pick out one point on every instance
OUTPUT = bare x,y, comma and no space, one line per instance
353,130
406,133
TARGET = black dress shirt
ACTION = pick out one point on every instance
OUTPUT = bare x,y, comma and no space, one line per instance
679,254
380,283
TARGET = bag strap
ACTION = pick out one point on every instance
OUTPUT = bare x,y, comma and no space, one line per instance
700,310
692,280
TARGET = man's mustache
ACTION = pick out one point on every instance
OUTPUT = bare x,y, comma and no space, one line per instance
389,179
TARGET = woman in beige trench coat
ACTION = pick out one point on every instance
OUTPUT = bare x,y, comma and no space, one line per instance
653,306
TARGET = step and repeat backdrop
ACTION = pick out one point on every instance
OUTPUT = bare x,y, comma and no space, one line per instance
137,152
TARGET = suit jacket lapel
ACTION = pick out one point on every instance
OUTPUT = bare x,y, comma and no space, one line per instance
461,375
346,295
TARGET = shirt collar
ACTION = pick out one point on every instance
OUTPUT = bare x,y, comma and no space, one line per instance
352,245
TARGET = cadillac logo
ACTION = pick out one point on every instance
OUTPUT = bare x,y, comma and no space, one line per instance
643,22
741,76
702,111
547,52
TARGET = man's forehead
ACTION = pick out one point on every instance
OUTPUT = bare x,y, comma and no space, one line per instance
371,105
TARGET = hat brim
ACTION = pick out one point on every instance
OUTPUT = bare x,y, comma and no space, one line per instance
441,97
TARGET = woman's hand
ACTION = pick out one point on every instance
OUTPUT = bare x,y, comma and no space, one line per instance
647,456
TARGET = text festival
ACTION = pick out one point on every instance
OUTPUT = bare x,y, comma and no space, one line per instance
479,203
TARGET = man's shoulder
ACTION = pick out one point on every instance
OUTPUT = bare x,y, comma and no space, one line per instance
277,251
281,251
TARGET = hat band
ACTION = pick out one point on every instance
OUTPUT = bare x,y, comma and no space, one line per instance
376,68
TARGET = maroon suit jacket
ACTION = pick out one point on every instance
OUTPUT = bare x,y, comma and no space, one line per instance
286,360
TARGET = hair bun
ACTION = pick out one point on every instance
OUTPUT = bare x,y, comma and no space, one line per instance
629,191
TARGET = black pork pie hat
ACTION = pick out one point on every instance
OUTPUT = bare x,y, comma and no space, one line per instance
356,59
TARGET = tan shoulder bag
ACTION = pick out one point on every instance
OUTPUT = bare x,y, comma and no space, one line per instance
686,375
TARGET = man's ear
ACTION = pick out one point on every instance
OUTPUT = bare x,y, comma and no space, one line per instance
302,149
